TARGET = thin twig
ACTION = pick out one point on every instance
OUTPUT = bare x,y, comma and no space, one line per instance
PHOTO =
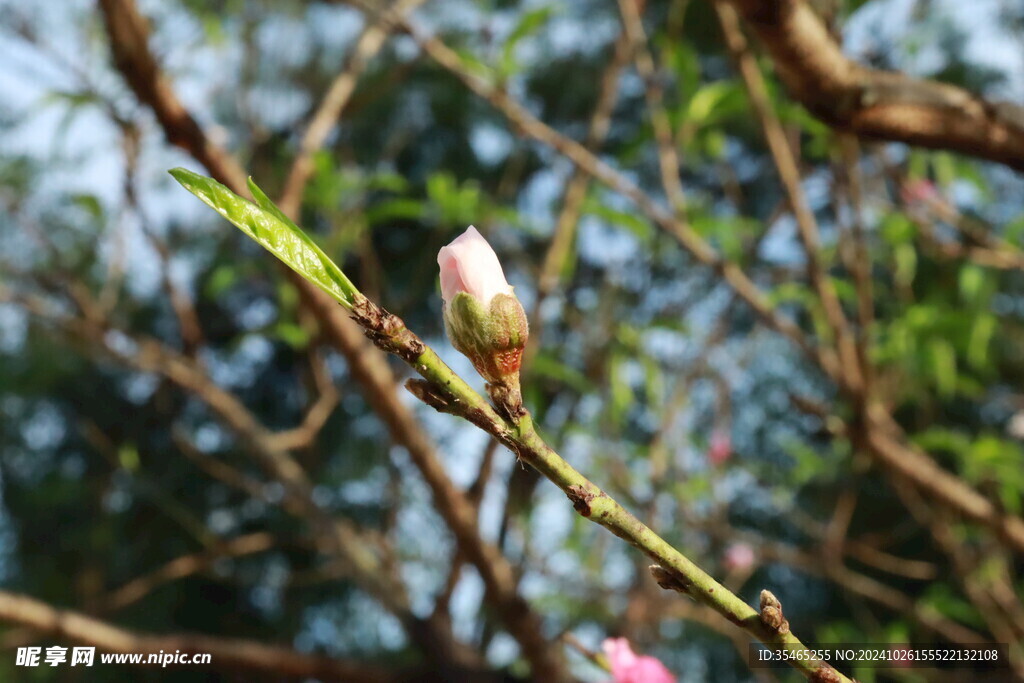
336,98
789,173
668,158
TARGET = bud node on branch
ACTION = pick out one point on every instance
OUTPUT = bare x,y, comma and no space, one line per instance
580,499
771,613
386,330
668,580
508,398
428,393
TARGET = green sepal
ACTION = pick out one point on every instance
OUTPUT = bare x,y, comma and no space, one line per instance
492,338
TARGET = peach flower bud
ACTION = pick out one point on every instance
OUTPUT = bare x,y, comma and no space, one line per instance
469,265
629,667
482,316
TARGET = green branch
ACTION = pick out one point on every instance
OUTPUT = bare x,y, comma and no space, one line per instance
445,391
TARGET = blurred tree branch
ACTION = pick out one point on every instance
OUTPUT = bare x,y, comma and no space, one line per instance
183,566
884,105
226,653
128,33
786,163
668,157
336,98
887,440
365,559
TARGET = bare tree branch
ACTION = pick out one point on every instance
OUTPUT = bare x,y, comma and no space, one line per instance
786,163
226,653
319,411
333,103
129,33
668,158
887,443
884,105
185,565
129,43
575,193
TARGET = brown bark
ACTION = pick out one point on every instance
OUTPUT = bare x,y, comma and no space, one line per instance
872,103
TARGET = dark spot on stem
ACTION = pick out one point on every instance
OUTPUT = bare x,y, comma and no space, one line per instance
580,499
670,581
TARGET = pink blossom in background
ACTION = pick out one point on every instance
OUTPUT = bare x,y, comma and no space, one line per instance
720,448
918,191
470,265
738,556
629,667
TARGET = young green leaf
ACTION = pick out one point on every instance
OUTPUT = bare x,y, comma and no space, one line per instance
275,232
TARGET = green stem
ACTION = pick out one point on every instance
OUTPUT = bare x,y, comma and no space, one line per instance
450,393
512,425
597,506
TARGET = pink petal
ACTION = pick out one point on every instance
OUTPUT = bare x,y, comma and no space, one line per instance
619,653
451,278
650,670
628,667
470,265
